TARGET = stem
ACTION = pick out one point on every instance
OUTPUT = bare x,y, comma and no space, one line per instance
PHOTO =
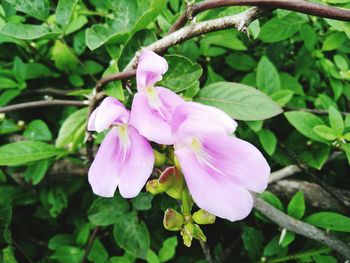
300,255
186,202
89,245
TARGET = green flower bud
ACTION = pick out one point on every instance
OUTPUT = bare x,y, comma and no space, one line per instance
152,187
173,220
202,217
160,159
187,234
198,233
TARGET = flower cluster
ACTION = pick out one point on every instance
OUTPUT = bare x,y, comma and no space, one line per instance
219,169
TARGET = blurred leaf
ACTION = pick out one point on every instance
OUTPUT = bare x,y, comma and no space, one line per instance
280,29
19,153
6,83
267,78
143,201
152,257
5,220
8,255
37,130
282,97
26,31
252,242
296,206
36,171
268,140
241,62
304,122
107,211
274,249
68,254
286,238
60,240
336,120
182,73
168,249
132,235
330,221
64,57
241,102
36,8
64,12
72,129
98,253
272,200
325,132
346,149
333,41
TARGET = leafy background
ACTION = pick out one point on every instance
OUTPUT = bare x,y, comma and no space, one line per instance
290,63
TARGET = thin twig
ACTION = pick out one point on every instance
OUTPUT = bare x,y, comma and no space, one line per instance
89,244
301,228
21,251
116,76
315,111
294,5
206,251
43,103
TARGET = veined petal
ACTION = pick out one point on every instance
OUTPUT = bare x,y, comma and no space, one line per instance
148,121
137,167
236,159
109,112
216,194
193,118
103,172
150,69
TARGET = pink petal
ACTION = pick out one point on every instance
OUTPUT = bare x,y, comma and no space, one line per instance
150,69
150,124
109,112
237,159
103,173
138,166
92,118
216,194
195,118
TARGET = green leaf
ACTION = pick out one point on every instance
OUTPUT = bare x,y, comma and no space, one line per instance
19,153
268,141
315,155
68,254
346,136
168,249
6,83
309,36
64,57
325,132
72,129
132,235
336,120
347,121
280,29
143,201
333,41
5,220
26,31
274,248
37,130
330,221
341,63
241,62
36,172
286,238
252,242
346,149
60,240
98,253
8,255
64,12
107,211
38,9
272,200
182,73
304,122
267,78
296,206
241,102
152,257
282,97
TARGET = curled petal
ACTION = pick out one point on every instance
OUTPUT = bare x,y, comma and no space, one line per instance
236,159
193,118
109,112
103,172
150,69
137,167
154,122
216,194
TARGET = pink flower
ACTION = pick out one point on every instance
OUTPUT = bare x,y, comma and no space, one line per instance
219,169
125,158
152,106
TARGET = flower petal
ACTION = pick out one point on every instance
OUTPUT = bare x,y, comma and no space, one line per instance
150,124
150,69
193,118
92,119
103,172
109,112
138,165
237,159
216,194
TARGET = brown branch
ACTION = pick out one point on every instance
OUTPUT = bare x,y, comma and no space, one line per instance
116,76
89,244
206,251
301,228
315,111
294,5
43,103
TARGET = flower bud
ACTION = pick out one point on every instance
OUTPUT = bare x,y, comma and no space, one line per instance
173,220
160,159
198,233
187,234
152,187
202,217
172,181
